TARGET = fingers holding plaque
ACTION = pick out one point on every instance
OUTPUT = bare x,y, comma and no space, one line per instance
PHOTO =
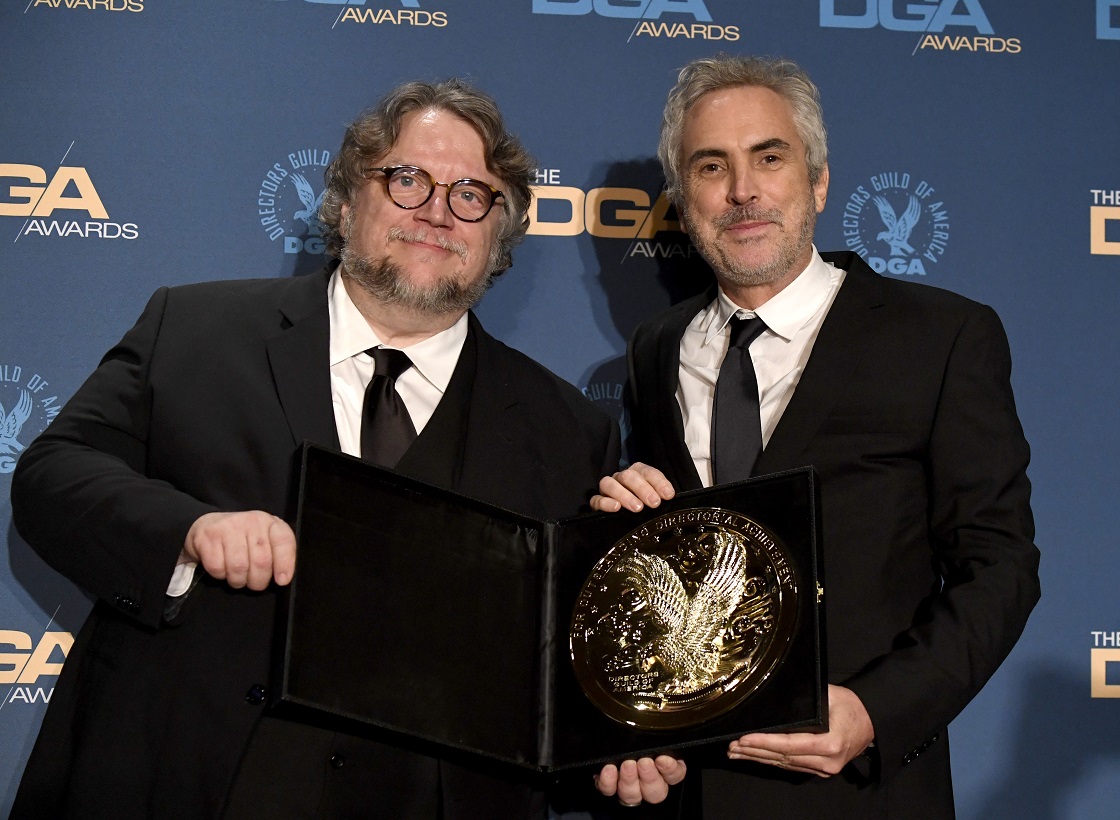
684,618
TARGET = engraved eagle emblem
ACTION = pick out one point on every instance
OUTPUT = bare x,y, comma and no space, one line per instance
11,423
689,645
311,203
898,229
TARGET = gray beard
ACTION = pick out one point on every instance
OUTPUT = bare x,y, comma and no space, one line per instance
386,282
763,274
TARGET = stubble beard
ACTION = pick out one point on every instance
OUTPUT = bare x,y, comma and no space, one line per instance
386,282
790,247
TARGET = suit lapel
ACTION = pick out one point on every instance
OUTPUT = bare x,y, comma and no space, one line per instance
851,321
299,356
494,422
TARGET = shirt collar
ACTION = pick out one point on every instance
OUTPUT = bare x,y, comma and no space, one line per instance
785,312
434,358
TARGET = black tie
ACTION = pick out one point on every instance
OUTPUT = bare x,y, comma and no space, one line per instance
387,429
736,426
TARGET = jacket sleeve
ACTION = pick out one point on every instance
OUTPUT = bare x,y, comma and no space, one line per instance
81,496
981,535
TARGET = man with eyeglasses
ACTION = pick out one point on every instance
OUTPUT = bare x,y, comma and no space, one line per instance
161,486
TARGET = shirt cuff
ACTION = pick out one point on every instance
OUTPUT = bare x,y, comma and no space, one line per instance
181,579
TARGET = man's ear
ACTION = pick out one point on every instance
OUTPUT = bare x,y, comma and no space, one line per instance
343,222
820,190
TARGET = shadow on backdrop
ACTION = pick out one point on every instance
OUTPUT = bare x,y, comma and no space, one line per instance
640,261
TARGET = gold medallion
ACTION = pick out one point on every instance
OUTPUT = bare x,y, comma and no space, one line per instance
684,618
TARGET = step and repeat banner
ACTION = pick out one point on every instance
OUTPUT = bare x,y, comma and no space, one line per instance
154,142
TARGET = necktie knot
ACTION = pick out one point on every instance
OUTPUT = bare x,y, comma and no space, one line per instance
745,331
389,362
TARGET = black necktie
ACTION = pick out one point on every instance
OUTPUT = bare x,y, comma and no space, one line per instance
387,429
736,426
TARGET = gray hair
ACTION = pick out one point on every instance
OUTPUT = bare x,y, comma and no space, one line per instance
373,134
710,74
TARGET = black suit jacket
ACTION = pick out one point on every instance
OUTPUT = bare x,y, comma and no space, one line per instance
906,411
201,407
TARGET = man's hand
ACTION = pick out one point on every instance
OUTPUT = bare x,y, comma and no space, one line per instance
637,486
849,733
636,781
247,549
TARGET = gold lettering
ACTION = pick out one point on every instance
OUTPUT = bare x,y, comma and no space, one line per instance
17,640
39,663
87,199
33,174
1099,217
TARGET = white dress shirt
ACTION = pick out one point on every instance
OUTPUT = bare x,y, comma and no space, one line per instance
420,387
793,318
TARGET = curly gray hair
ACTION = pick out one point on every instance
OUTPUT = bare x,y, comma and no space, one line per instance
373,134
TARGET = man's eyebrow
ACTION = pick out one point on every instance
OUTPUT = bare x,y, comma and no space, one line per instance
770,145
705,153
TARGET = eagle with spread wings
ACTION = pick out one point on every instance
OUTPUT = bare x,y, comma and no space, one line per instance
12,423
311,203
688,645
898,228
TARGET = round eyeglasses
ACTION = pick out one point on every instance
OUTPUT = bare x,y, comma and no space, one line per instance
410,187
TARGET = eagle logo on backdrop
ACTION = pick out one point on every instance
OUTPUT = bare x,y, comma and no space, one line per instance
27,406
310,213
12,423
898,230
898,223
288,202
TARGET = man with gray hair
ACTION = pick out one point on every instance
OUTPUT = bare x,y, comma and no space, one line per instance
163,485
898,394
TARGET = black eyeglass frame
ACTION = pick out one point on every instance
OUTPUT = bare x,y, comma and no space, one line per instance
387,172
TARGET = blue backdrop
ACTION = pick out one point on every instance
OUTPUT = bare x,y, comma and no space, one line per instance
152,142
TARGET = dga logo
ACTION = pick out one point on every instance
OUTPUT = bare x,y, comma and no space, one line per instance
1104,672
24,662
410,13
896,227
607,213
289,197
648,13
25,411
33,192
1104,223
90,5
1108,19
932,17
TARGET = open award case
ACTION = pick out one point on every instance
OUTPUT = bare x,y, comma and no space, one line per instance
435,621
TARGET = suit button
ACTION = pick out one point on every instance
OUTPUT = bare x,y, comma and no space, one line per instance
255,695
337,761
126,603
907,760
